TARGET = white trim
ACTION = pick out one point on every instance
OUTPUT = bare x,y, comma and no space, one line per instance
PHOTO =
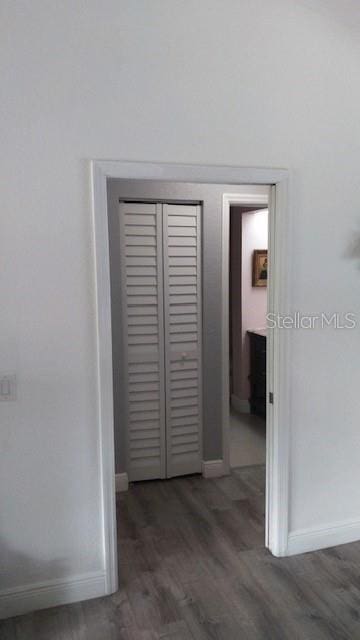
214,468
121,482
278,379
331,535
105,375
169,172
101,171
239,404
41,595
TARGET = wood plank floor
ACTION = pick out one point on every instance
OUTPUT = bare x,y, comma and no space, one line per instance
193,567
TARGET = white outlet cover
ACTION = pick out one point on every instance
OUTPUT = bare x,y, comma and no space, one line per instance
7,387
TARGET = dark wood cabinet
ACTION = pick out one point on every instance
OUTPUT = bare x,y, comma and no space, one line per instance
257,373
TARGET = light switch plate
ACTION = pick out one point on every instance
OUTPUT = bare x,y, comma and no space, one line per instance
7,387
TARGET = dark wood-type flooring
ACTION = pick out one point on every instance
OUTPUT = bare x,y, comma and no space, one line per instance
193,567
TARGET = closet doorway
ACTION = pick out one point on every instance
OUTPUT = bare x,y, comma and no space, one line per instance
161,329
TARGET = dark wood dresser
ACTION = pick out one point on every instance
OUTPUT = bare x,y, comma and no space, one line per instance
257,373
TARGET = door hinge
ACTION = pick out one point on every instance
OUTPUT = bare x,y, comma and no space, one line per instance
271,397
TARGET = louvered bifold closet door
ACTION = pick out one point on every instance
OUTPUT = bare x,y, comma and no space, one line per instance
182,307
143,331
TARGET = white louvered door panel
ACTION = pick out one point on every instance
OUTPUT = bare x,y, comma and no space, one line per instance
183,320
143,331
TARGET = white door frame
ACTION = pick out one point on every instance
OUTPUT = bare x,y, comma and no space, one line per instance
278,439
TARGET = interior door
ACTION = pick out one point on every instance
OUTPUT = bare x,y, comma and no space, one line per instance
183,329
143,333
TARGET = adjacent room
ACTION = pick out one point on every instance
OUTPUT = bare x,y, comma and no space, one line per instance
247,316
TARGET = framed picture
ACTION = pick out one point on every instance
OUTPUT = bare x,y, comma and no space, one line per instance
260,268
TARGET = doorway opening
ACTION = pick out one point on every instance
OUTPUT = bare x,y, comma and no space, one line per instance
226,186
248,281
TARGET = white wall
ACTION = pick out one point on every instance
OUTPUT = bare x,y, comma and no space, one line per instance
253,299
263,83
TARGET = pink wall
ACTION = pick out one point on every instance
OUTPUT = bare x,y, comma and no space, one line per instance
249,231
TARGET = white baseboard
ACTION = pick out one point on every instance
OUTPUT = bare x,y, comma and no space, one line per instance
121,482
213,468
41,595
305,540
241,406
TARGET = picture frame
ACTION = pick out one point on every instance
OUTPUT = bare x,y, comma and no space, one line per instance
260,268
